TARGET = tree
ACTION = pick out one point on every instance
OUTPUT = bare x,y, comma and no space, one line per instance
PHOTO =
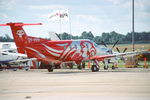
97,39
87,35
109,38
6,38
105,37
65,36
114,36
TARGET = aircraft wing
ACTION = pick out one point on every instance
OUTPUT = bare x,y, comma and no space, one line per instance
102,57
14,54
22,60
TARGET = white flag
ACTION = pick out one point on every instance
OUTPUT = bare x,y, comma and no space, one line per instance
62,15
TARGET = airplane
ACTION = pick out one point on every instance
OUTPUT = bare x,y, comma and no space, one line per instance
53,53
9,56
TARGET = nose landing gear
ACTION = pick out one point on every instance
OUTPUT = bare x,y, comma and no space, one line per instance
94,68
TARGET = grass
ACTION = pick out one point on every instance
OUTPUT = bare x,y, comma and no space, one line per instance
129,46
121,64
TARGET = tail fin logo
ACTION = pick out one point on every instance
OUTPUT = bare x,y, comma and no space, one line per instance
20,32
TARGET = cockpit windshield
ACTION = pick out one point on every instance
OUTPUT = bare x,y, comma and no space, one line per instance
94,44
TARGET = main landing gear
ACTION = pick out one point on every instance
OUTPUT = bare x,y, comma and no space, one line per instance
50,68
1,69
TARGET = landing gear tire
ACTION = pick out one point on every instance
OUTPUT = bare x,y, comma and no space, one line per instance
94,68
1,69
15,69
50,69
105,67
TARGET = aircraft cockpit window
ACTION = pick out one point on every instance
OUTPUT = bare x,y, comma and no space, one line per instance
4,54
10,51
95,44
104,49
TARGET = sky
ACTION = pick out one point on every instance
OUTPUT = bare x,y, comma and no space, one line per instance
96,16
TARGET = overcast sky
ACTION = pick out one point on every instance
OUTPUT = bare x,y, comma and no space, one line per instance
85,15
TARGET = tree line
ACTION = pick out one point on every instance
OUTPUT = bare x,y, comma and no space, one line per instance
6,38
109,37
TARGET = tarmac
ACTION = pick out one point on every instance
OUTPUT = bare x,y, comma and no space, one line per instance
74,84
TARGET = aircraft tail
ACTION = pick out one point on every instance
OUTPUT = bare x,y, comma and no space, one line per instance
20,37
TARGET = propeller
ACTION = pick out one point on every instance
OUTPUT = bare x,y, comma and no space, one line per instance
115,44
103,43
110,51
118,49
125,49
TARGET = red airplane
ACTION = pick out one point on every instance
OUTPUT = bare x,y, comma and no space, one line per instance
53,53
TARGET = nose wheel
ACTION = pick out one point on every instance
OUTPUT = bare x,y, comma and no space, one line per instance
94,68
106,67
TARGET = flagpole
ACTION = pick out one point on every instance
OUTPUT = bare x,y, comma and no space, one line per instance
60,28
60,25
70,25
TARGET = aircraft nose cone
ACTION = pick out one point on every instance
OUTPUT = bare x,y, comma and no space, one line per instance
109,51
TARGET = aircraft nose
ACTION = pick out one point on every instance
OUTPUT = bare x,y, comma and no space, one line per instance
109,51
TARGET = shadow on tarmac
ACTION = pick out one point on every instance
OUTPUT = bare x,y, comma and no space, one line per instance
86,71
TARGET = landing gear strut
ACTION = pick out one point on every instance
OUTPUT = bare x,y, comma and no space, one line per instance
106,64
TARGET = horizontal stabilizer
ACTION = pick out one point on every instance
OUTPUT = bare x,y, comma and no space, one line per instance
19,24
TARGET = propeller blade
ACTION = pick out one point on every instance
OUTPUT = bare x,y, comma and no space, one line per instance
125,50
103,43
118,49
115,44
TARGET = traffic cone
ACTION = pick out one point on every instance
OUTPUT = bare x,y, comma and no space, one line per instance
89,65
